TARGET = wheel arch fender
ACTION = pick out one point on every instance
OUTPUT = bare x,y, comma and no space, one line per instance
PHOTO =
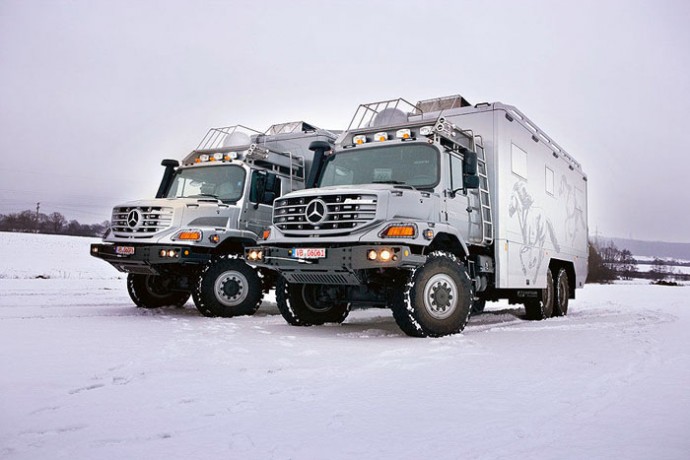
556,264
452,242
233,245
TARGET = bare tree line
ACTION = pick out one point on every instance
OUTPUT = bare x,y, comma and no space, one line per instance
54,223
607,263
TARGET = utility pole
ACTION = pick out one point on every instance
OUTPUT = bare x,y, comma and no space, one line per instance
38,207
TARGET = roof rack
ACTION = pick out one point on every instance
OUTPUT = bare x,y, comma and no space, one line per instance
383,113
230,136
290,128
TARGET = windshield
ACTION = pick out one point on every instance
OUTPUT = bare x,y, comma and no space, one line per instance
223,182
403,164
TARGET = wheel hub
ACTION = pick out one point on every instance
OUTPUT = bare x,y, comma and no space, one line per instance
440,296
231,288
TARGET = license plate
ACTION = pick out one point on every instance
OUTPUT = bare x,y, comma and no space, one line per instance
309,253
124,250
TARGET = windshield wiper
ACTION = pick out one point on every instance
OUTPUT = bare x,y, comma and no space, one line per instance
210,195
397,183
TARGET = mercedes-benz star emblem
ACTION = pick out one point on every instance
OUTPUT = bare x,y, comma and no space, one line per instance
133,218
316,212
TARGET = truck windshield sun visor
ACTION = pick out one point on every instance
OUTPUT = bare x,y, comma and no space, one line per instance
416,165
223,182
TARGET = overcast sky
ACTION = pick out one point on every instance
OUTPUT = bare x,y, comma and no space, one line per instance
93,95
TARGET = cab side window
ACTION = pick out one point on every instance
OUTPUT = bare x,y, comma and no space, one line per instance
455,172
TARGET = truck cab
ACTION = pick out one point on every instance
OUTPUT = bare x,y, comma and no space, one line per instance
188,239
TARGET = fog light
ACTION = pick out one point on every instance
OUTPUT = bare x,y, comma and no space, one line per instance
163,253
94,249
171,253
372,255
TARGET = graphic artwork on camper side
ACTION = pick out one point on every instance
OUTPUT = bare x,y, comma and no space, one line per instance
535,227
575,216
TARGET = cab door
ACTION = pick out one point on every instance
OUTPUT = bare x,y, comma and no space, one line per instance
457,203
264,188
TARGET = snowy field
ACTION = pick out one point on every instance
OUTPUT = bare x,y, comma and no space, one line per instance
86,375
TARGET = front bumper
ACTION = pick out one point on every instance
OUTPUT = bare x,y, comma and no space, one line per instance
147,258
341,265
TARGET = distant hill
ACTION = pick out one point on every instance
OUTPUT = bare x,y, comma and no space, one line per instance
652,248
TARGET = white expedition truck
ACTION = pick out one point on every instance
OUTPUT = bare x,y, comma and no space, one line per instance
431,210
190,238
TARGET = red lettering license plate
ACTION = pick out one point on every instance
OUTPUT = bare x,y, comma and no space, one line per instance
124,250
309,253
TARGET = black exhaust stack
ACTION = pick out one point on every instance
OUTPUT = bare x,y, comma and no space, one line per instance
319,148
170,166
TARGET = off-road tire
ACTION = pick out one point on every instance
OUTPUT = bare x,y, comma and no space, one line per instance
437,298
562,291
151,291
543,306
228,287
299,305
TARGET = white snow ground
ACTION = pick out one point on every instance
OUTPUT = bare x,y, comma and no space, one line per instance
86,375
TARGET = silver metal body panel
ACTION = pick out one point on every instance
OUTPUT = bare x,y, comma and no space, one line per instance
538,197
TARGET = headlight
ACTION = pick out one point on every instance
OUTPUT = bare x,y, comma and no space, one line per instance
382,255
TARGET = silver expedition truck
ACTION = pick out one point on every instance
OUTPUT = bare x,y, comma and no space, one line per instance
190,238
431,210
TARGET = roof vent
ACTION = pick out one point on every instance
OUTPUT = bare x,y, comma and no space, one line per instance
442,103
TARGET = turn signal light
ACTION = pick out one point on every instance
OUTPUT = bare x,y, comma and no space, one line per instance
400,231
266,233
192,235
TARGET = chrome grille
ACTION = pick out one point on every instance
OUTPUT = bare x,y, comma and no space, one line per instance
343,213
140,222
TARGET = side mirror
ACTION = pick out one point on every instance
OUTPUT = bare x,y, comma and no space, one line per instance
271,183
469,163
470,179
470,182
